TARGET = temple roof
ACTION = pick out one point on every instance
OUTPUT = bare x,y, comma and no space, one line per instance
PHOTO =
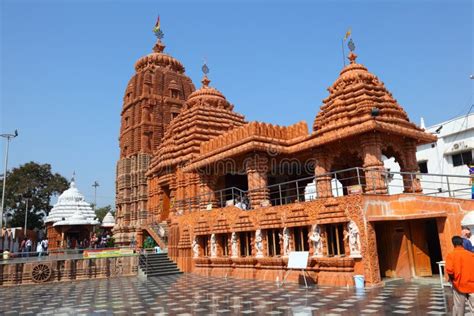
205,115
72,209
353,97
159,58
108,221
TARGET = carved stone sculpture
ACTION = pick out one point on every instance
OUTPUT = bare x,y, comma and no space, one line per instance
259,243
286,241
317,241
213,246
195,248
353,235
233,241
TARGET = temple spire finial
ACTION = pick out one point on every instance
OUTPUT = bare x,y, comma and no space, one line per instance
159,46
205,80
352,56
73,180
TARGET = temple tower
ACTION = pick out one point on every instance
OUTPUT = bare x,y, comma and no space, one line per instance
153,97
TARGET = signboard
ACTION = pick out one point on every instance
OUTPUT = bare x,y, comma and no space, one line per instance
354,189
107,253
298,260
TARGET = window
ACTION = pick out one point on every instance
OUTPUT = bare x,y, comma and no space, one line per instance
273,242
205,246
464,158
245,240
423,166
223,241
335,239
301,238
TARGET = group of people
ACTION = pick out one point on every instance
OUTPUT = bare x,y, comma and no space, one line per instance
460,270
96,241
26,247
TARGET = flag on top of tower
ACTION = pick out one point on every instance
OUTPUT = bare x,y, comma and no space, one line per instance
348,33
157,25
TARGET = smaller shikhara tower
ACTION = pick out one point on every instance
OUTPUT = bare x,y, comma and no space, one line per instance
153,97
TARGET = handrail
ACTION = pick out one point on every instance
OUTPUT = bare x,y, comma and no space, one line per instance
56,254
394,181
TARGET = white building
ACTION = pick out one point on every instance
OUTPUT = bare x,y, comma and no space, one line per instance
450,156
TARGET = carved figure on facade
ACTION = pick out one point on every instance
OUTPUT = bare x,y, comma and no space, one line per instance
353,235
234,247
286,241
195,248
259,243
213,246
316,240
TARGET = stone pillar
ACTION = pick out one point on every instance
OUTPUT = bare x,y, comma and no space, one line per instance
256,167
323,178
411,183
373,165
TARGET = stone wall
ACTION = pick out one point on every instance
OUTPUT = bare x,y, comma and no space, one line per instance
53,270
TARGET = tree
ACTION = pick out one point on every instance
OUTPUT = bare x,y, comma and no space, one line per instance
36,184
102,211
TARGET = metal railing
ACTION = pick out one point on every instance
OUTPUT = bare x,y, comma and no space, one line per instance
214,199
48,255
338,183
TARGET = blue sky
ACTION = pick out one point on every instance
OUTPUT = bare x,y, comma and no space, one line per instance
65,65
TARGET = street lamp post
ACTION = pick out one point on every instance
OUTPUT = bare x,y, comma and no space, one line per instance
26,215
8,137
95,185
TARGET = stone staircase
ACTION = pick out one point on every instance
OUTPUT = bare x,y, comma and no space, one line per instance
157,264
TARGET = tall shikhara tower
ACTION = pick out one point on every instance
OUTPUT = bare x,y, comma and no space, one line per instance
153,97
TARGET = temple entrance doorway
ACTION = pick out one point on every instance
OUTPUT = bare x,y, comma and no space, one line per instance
408,249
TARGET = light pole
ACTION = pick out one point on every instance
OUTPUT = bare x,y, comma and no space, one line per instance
8,137
95,185
26,215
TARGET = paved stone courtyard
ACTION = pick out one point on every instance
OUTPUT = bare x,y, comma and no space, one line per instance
190,294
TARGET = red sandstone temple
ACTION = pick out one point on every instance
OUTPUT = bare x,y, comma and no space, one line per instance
231,197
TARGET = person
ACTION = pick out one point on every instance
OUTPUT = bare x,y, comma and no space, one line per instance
132,242
29,245
459,268
6,254
23,247
238,203
466,235
45,244
157,249
39,248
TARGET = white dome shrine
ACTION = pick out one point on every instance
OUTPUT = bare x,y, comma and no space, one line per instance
108,221
72,209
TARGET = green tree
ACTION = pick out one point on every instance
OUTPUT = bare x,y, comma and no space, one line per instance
34,184
102,211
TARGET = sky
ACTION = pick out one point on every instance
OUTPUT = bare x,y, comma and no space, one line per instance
65,65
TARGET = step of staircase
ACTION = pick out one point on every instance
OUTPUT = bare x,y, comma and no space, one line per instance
156,264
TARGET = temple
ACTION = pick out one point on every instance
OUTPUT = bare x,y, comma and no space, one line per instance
228,197
71,220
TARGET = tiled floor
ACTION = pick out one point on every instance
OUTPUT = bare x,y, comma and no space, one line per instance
195,295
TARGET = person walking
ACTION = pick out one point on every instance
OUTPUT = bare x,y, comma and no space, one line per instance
460,270
39,248
45,244
23,247
29,245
